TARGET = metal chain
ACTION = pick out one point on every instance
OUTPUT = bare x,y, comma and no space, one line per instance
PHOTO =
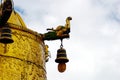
61,46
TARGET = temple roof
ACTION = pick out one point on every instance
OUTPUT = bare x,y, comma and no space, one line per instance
15,19
16,22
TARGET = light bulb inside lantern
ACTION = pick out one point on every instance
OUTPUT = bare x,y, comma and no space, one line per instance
61,67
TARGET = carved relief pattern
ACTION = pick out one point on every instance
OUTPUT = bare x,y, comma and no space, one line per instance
24,59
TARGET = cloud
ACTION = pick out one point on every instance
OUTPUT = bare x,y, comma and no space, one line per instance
93,48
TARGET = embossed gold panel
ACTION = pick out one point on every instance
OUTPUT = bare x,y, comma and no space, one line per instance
25,58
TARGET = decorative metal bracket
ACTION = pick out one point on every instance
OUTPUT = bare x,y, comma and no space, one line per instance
60,32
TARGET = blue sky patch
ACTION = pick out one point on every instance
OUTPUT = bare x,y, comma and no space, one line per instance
20,10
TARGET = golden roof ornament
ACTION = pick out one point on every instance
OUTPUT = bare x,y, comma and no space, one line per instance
23,52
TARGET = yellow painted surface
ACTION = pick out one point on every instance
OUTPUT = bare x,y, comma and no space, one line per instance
25,58
17,20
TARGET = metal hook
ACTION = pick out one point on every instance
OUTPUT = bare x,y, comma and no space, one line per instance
61,46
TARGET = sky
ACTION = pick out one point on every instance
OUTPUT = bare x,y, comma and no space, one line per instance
93,47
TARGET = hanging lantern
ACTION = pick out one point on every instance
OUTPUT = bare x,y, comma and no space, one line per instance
61,56
61,59
5,36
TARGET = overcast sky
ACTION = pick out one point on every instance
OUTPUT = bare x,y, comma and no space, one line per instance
93,47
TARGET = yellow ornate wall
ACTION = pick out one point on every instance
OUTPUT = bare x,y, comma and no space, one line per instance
25,58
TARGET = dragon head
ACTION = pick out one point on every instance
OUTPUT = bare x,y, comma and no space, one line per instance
69,18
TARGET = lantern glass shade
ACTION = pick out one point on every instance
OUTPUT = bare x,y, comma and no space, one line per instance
61,67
